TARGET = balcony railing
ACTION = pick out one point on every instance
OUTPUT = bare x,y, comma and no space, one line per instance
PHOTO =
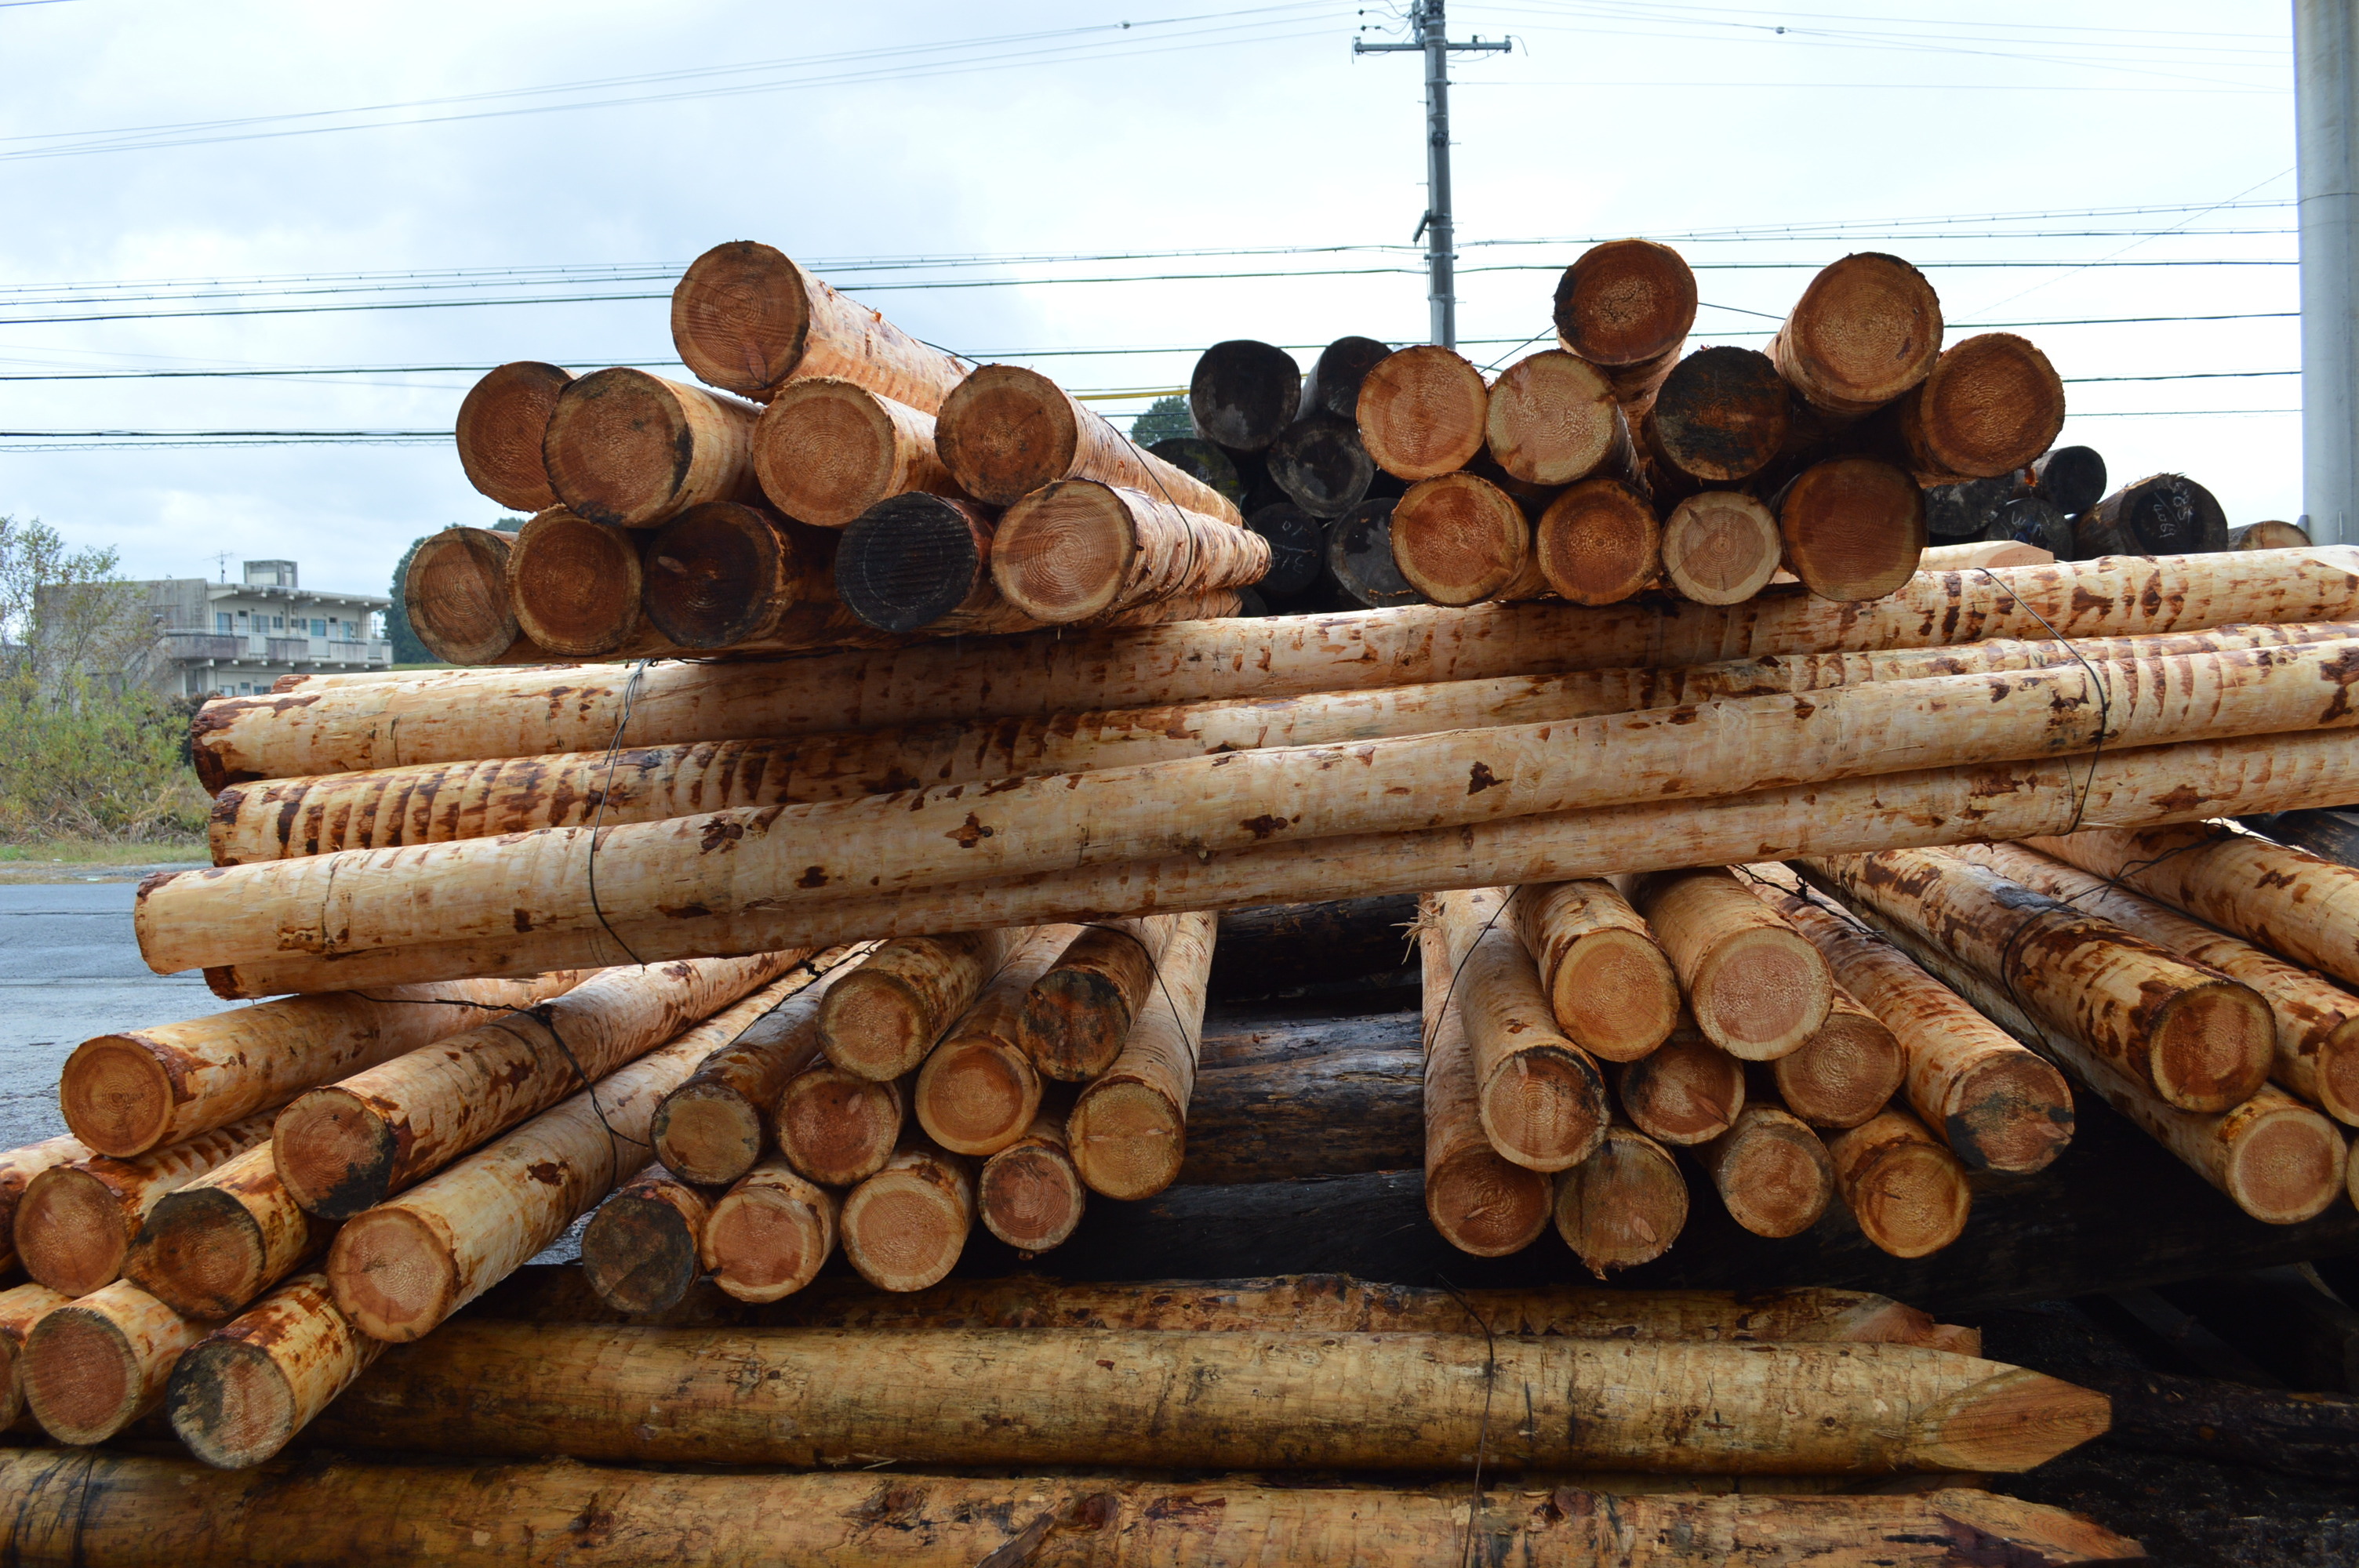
234,647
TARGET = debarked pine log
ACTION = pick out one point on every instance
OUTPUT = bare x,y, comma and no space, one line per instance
826,450
630,449
455,593
1540,1096
1867,329
1684,1092
575,585
1609,986
111,1510
2178,783
639,1251
215,1244
880,1021
74,1224
1551,420
21,1306
837,1128
904,1228
1990,404
1599,542
1771,1171
1843,1074
1459,539
346,1146
17,1168
1758,990
342,726
745,316
1289,1400
96,1365
978,1089
1627,304
1127,1133
1078,1013
1907,1192
842,850
237,1395
766,1237
1624,1205
1421,412
1078,548
1720,547
1479,1200
501,423
1030,1194
1006,431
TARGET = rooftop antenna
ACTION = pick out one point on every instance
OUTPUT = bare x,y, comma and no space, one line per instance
1432,35
221,558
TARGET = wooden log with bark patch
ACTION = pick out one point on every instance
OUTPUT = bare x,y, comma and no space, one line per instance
746,318
1609,985
1078,1014
1721,415
1624,1205
240,1394
836,1127
94,1366
75,1222
1628,305
21,1306
629,449
639,1251
1844,1074
1684,1092
2272,534
880,1019
1030,1194
217,1243
725,574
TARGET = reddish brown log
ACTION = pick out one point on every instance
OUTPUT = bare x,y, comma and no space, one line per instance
1421,412
827,449
1551,420
457,598
725,573
1867,329
1029,1195
979,1089
1757,988
1902,1184
92,1367
1078,549
1852,528
1627,304
74,1224
1480,1202
1771,1171
629,449
1686,1091
745,317
881,1020
575,585
1128,1128
1599,543
1990,404
500,428
768,1235
1078,1015
904,1228
1846,1072
218,1242
1459,539
1006,431
1610,986
1722,412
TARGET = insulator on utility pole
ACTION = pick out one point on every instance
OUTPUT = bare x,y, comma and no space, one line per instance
1431,32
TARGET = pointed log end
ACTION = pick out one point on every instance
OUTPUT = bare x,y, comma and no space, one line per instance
2009,1422
231,1404
1984,1527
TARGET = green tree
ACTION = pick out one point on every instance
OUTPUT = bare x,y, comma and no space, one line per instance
407,648
1165,418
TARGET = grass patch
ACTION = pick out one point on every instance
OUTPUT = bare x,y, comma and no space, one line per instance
98,852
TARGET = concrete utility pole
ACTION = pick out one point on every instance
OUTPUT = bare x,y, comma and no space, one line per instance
1432,34
2326,120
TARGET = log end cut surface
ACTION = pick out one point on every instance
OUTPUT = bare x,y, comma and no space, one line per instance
116,1096
708,1134
1421,412
903,1232
1006,432
334,1154
1075,1022
231,1403
1843,1074
711,574
2289,1167
1720,547
1459,539
740,317
765,1243
976,1098
575,584
1624,1206
1064,554
2210,1045
1599,543
1615,995
1625,301
876,1025
639,1252
1992,404
1912,1200
82,1376
456,596
393,1275
2011,1113
1722,412
2009,1422
1127,1141
1774,1174
618,447
1867,329
1487,1205
826,451
1762,993
1686,1091
200,1253
69,1231
1031,1198
1552,419
837,1129
1545,1107
500,428
1852,528
909,560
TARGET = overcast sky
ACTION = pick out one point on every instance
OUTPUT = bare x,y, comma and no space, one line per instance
321,162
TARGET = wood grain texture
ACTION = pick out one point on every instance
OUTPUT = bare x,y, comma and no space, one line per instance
745,317
501,423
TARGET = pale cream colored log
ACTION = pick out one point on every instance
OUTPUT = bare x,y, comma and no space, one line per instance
110,1507
1078,548
1550,419
1420,412
241,1393
1078,1015
2156,784
838,849
881,1020
341,727
1128,1129
217,1243
1480,1202
1844,1074
639,1251
1720,547
768,1236
2197,1039
402,1268
1624,1205
629,448
2298,905
746,316
342,1147
17,1168
1541,1099
1907,1192
1684,1092
21,1307
1006,431
904,1228
714,1128
1965,557
2277,1159
127,1093
1756,988
93,1367
1306,1400
1029,1195
1609,985
74,1224
978,1089
826,450
1771,1171
2000,1106
2317,1023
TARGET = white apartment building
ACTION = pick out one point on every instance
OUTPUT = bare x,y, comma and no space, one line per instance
236,638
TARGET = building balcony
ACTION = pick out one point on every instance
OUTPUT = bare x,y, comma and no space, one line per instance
241,648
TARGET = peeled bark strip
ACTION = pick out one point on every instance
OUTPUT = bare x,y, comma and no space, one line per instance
1540,1099
904,1228
639,1251
1421,412
712,1127
1551,420
725,573
456,596
2167,513
2176,782
500,428
2268,535
1867,329
74,1224
1128,1129
2000,1106
2194,1037
1990,404
1722,412
745,317
1030,1194
881,1020
2277,1159
1846,1072
1078,548
240,1395
911,560
2072,478
1624,1205
344,1148
1360,557
1965,557
1480,1202
1907,1192
1320,465
1006,431
1758,991
1243,393
1609,985
2298,905
2317,1024
1771,1171
1599,543
978,1089
575,584
837,1128
92,1367
629,449
1626,302
768,1235
1459,539
401,1269
1852,528
218,1242
17,1168
1078,1014
1720,547
21,1307
111,1508
336,728
826,450
1684,1092
127,1093
1291,1400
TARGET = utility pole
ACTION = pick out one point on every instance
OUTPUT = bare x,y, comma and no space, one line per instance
1432,35
2326,139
